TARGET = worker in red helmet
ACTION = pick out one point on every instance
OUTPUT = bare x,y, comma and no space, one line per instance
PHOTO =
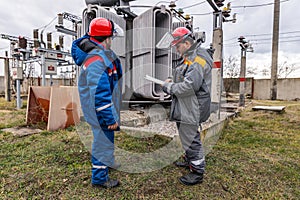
190,90
99,89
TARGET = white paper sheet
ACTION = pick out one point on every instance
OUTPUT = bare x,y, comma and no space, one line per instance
155,80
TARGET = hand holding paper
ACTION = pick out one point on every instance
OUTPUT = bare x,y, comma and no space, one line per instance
155,80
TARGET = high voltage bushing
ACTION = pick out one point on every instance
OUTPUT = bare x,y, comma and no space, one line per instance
49,40
226,10
60,19
36,42
219,3
22,42
243,43
61,41
172,4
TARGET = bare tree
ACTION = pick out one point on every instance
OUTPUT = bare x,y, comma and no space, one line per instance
231,70
251,71
231,67
285,69
266,71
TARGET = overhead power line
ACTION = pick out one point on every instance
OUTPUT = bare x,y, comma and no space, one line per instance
263,34
261,39
202,13
284,41
283,33
290,32
44,27
235,44
258,5
196,4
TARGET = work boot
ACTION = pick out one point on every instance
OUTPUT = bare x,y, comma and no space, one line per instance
184,163
111,183
191,178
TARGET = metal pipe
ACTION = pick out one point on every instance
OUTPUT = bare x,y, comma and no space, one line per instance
7,77
18,94
43,68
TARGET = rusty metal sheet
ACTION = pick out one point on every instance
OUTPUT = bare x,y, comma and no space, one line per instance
38,104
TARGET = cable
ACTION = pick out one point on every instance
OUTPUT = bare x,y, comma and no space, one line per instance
258,5
263,34
203,13
44,27
266,39
165,2
271,34
288,37
161,2
254,42
258,35
290,32
279,42
196,4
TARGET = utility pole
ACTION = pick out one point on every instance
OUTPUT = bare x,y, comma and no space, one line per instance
242,78
245,47
217,44
273,95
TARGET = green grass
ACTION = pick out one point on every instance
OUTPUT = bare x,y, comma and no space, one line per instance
256,157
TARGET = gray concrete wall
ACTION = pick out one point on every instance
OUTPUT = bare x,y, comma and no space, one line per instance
2,87
232,85
287,89
261,89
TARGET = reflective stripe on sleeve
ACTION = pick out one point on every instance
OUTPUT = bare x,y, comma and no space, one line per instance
104,107
100,167
197,162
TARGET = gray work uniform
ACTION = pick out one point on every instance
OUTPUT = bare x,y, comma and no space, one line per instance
191,101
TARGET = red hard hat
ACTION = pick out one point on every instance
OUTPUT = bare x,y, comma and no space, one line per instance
179,34
101,27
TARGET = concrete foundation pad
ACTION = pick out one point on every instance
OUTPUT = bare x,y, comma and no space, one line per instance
269,108
168,128
22,131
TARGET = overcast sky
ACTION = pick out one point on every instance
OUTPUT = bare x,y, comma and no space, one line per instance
20,17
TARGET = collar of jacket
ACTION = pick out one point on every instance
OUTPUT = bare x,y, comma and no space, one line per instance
187,62
98,44
109,57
